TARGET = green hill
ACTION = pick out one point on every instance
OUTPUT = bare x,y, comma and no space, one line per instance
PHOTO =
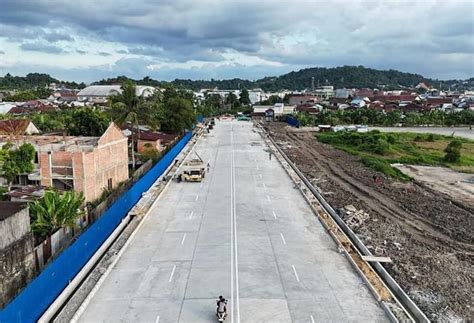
31,81
339,77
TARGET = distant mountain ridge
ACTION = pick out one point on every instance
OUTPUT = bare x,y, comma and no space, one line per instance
339,77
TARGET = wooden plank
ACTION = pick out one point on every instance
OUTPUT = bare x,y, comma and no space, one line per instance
376,259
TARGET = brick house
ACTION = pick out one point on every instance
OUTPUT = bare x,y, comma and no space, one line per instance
82,164
157,140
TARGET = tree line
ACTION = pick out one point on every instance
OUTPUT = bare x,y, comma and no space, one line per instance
367,116
339,77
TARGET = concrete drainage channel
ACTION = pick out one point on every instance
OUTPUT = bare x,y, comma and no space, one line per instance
397,304
70,304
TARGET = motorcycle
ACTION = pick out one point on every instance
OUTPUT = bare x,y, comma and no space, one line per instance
221,316
221,311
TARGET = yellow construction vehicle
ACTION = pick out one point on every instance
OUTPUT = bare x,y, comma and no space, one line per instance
193,170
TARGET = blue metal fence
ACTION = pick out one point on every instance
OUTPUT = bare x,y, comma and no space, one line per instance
33,301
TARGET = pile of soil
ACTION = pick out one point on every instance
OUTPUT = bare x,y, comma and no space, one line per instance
428,237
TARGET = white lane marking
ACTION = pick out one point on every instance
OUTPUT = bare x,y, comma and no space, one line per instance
268,198
191,214
184,238
237,303
274,214
296,274
282,238
312,318
197,196
264,186
231,239
172,273
157,319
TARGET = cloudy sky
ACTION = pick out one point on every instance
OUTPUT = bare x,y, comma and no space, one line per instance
86,40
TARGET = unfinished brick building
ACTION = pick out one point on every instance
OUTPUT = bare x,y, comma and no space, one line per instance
82,164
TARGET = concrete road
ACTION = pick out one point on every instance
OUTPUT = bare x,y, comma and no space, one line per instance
245,233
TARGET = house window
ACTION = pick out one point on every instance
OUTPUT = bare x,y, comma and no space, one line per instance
109,183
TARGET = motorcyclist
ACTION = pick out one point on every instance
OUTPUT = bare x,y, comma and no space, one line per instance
221,306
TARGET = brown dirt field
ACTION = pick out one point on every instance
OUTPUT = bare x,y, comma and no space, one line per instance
428,237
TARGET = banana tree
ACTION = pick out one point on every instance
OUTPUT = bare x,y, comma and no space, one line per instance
54,211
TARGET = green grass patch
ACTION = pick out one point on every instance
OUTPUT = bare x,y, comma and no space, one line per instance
378,150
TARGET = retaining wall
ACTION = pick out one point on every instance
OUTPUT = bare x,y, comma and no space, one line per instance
33,301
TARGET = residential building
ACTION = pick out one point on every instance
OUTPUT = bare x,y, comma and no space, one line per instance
303,99
82,164
157,140
324,92
63,96
32,107
100,93
358,103
275,111
26,193
343,93
15,127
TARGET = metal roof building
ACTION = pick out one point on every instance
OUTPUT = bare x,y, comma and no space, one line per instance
99,93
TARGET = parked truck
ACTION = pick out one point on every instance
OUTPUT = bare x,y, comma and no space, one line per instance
193,170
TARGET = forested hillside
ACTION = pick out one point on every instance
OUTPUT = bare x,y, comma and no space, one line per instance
31,81
339,77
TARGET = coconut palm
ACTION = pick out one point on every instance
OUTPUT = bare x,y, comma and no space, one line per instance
54,211
129,107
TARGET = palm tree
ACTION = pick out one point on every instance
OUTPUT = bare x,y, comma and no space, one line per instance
129,107
54,211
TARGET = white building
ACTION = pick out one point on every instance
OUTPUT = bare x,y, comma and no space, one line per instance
278,109
100,93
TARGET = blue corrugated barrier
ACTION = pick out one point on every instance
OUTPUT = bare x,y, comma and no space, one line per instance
292,122
40,293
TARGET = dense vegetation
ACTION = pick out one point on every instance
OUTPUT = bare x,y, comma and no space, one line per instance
33,81
14,162
373,117
339,77
122,78
379,150
54,211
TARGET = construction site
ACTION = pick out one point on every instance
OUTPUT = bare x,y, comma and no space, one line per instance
426,233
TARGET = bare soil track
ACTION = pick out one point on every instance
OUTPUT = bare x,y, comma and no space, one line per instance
429,238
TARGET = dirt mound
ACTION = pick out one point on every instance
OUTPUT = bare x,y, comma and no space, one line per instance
429,238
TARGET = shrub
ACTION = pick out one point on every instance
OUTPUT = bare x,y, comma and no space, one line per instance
453,151
391,139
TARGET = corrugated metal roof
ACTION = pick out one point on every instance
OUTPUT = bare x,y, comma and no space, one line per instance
106,90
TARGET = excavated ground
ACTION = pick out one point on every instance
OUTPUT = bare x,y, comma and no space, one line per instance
428,236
